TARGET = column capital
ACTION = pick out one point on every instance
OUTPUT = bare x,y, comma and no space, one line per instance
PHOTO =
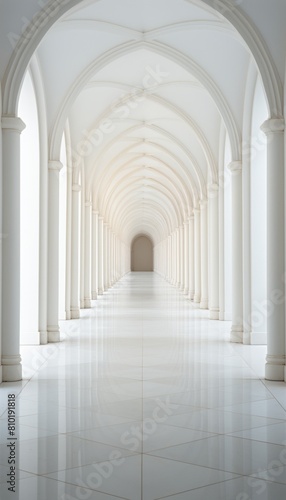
12,123
88,203
273,125
95,212
213,189
203,203
100,217
191,218
76,187
196,211
235,166
55,165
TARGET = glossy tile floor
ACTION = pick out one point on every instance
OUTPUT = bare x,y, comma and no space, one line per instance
145,399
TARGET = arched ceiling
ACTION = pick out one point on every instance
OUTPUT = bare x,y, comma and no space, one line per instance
146,88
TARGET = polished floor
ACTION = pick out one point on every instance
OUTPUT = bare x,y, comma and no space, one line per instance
145,399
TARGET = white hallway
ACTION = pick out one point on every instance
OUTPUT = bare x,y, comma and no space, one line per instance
156,124
145,398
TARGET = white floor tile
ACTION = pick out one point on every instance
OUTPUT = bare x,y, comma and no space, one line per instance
44,455
42,488
236,489
144,398
241,456
218,421
268,434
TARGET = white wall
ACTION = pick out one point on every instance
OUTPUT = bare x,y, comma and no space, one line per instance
29,203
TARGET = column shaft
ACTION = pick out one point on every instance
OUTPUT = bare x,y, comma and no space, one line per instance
94,286
87,257
100,256
182,257
75,310
214,253
53,252
221,251
275,360
197,228
68,243
10,357
237,270
186,257
191,259
204,255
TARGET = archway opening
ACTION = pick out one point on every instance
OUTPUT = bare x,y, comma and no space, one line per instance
142,254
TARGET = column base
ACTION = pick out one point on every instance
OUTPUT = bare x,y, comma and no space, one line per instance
87,303
1,374
75,313
221,315
204,304
191,295
197,298
94,295
43,337
236,334
186,291
68,315
81,304
53,334
275,368
100,291
11,368
214,314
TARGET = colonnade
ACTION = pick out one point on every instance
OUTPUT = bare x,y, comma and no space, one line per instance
96,250
189,258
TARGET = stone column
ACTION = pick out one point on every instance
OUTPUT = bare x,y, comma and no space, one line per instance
100,256
105,256
221,248
10,356
214,253
87,257
186,257
82,241
43,247
178,257
204,255
68,242
182,285
197,229
94,260
191,259
169,259
237,269
53,252
275,359
172,259
75,310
